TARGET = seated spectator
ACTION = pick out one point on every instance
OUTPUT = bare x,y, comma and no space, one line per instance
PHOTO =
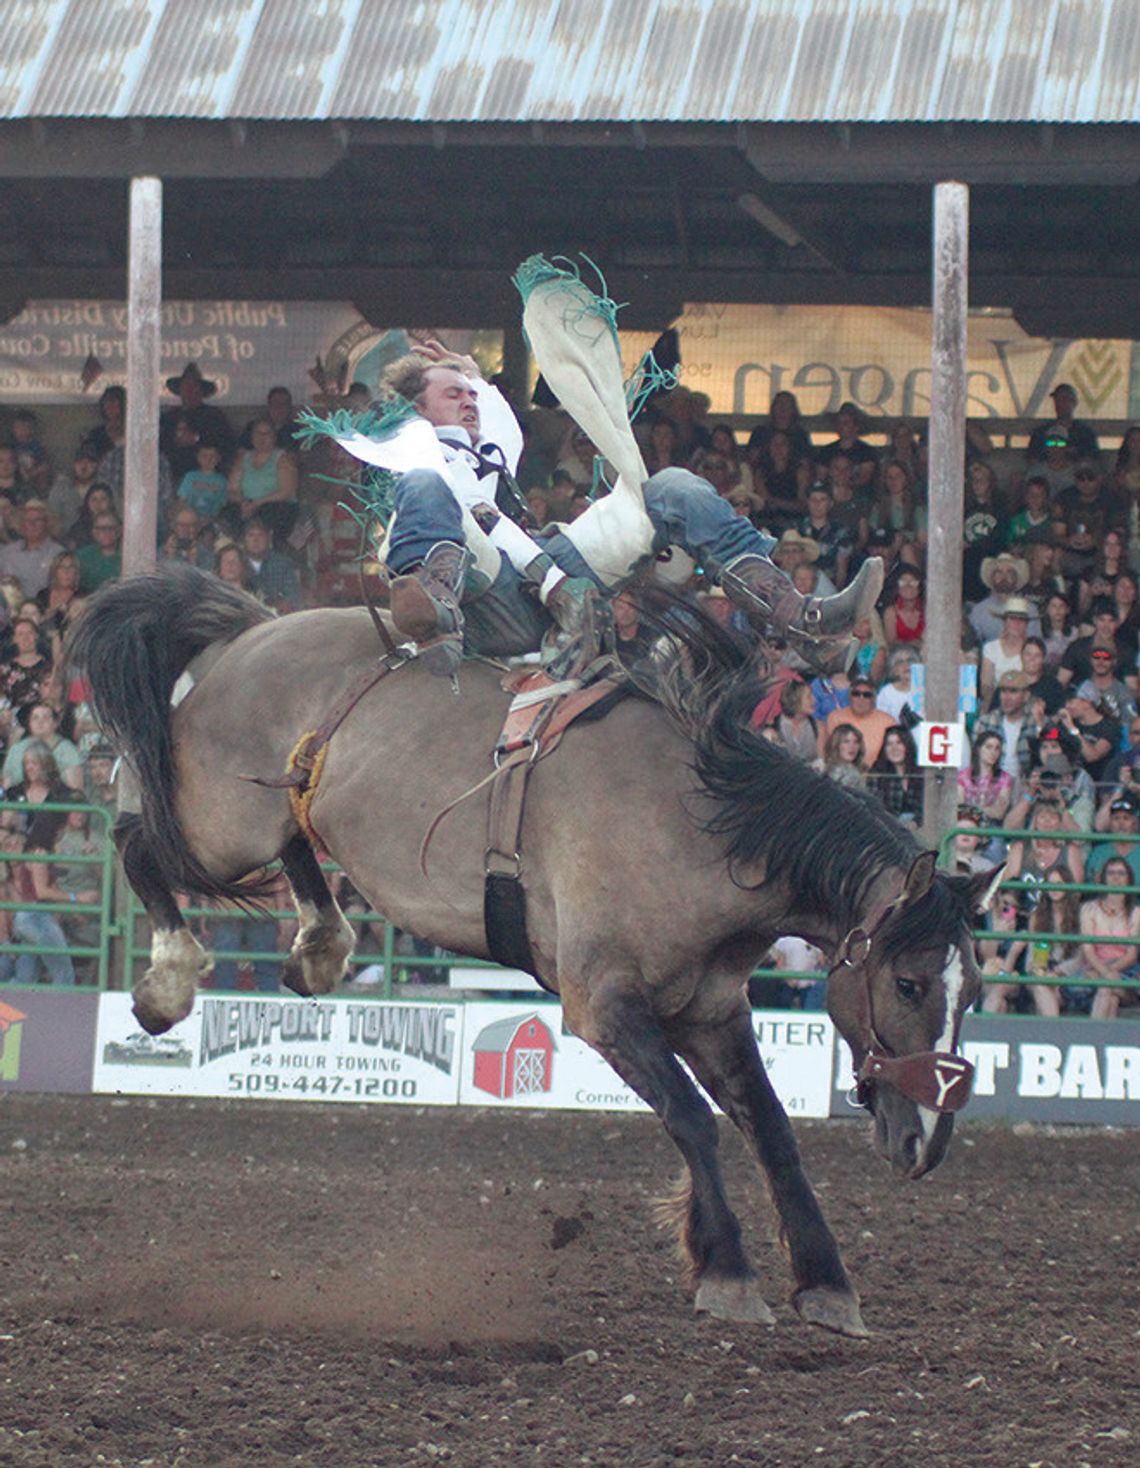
31,456
1079,436
1003,576
102,560
1076,664
904,621
1127,610
1112,914
273,577
1044,579
969,858
905,446
868,721
717,469
29,557
111,432
895,695
835,545
1013,722
796,728
1055,912
65,498
781,475
1003,654
1123,771
983,784
1100,579
1126,475
578,453
26,668
895,777
1034,523
188,540
1104,686
1046,695
13,486
230,565
39,724
1058,629
723,441
662,452
1119,814
281,414
783,417
686,409
29,924
60,602
896,509
1087,716
848,508
41,785
204,488
844,756
1051,840
870,648
983,531
98,500
74,880
849,422
208,424
1086,512
794,549
262,482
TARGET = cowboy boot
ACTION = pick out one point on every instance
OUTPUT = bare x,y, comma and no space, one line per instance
581,618
817,628
425,603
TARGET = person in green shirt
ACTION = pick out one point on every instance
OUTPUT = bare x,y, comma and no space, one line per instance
102,560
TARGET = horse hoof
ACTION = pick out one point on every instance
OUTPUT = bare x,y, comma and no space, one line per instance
733,1299
832,1310
155,1019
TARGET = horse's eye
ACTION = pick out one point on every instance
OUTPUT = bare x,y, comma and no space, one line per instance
907,990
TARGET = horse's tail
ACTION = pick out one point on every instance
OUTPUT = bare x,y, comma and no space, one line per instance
132,643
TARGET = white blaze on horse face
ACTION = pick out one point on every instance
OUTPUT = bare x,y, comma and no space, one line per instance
953,981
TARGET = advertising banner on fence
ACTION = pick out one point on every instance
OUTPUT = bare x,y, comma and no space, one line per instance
242,1046
46,1040
1067,1070
519,1055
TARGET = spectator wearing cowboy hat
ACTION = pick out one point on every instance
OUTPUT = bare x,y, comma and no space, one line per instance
1003,654
849,423
209,424
794,549
1079,437
1004,575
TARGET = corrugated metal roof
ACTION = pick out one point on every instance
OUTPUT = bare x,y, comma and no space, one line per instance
574,60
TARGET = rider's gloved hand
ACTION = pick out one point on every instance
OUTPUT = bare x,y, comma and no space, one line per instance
573,602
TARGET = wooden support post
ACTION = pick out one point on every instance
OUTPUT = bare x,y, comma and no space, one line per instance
942,642
144,367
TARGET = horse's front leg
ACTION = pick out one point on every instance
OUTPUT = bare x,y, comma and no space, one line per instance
178,963
726,1061
624,1030
318,959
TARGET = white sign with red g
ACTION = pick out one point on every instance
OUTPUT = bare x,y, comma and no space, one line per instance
940,746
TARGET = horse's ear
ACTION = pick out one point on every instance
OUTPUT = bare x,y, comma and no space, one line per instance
920,876
983,888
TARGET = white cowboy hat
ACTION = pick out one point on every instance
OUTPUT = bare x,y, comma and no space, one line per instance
1005,562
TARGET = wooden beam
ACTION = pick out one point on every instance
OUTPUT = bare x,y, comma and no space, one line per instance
943,638
144,367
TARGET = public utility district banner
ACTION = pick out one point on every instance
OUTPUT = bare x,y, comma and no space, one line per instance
878,357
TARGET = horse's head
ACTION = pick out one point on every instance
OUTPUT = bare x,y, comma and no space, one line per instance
902,981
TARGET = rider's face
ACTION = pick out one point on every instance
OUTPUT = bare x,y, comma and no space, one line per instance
448,400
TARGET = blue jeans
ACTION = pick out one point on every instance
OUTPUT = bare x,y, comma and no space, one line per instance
41,927
506,618
246,935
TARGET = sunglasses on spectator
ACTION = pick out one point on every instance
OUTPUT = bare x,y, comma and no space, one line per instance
862,693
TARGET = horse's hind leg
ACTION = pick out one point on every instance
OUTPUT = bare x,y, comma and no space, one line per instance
623,1029
178,962
318,959
727,1063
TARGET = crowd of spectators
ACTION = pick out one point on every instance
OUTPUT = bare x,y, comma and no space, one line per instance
1051,552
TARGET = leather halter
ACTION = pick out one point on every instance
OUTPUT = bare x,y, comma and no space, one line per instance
937,1079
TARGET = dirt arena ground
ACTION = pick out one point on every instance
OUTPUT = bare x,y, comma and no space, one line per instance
212,1283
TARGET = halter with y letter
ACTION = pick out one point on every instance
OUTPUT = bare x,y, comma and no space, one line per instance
936,1079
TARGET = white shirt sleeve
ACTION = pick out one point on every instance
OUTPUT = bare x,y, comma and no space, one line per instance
498,424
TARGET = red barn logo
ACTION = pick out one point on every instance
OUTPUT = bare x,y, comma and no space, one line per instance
514,1057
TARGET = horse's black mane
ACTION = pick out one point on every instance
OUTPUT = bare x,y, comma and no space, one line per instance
830,844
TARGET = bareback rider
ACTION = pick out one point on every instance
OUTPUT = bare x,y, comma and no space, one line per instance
456,558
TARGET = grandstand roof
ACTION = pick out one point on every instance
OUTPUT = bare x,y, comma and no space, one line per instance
573,61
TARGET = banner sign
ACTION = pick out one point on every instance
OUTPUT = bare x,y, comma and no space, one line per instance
1040,1070
46,1040
879,359
242,1046
519,1055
